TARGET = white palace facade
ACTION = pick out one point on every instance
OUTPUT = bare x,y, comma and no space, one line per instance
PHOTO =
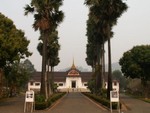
72,80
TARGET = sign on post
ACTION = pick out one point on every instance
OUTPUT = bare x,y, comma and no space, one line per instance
29,100
114,97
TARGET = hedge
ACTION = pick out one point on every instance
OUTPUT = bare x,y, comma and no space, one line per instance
41,104
102,100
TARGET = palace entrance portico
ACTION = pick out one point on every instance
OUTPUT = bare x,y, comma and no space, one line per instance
74,83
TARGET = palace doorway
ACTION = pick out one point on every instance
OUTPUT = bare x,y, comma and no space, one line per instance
73,84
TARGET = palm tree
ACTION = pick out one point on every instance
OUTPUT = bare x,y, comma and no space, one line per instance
52,57
106,12
95,47
112,10
47,16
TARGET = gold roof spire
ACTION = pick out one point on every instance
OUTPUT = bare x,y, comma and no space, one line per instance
73,65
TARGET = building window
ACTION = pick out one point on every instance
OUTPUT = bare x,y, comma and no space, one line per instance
31,83
85,84
55,84
60,84
37,84
115,83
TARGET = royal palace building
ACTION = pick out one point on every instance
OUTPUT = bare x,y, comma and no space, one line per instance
70,80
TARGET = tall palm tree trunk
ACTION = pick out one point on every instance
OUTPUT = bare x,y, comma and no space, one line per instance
52,80
48,79
43,90
98,69
103,65
109,88
1,84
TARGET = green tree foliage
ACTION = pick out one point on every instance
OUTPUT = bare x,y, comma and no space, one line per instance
13,44
27,64
91,85
17,76
90,55
95,42
135,63
53,48
13,48
117,75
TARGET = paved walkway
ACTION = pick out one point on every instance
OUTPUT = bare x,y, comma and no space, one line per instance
12,105
135,105
75,103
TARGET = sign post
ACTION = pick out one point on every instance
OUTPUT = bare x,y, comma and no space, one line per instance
114,97
29,101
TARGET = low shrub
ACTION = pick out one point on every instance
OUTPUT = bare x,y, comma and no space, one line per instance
101,100
41,104
146,100
39,98
55,97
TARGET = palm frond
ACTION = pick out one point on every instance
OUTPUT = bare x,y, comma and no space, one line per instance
28,9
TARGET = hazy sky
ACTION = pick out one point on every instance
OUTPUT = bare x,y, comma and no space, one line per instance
133,29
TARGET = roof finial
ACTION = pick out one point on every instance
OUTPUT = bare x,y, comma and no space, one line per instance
73,66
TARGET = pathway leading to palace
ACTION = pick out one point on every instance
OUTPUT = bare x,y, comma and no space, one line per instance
75,103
